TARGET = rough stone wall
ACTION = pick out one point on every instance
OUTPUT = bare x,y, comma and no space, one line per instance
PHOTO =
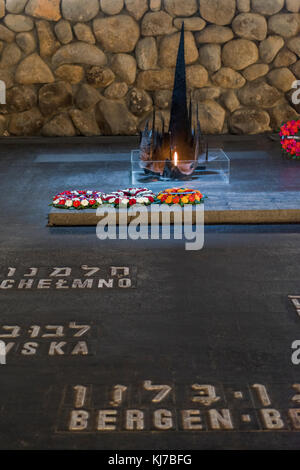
92,67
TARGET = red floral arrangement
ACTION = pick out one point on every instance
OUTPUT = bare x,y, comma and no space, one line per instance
290,139
78,200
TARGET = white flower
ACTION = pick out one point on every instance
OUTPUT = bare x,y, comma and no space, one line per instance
140,200
84,202
112,200
56,201
69,203
99,200
89,192
124,202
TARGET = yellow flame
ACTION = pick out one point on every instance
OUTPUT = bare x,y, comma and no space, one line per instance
175,158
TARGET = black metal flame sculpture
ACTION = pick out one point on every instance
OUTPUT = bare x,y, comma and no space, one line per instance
174,154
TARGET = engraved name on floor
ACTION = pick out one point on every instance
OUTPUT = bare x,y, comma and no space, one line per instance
68,278
166,407
51,340
295,300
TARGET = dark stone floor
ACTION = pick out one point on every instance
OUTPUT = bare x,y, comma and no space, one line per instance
220,316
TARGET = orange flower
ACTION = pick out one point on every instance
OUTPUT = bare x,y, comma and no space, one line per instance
176,195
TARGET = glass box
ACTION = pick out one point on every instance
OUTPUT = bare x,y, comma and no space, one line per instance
215,170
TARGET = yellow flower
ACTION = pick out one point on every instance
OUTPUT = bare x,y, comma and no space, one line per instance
169,200
185,200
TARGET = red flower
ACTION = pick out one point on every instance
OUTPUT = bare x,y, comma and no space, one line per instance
76,203
290,129
151,199
132,202
62,202
92,202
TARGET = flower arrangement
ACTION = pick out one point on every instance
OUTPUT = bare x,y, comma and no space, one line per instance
130,197
93,199
78,200
290,139
180,196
